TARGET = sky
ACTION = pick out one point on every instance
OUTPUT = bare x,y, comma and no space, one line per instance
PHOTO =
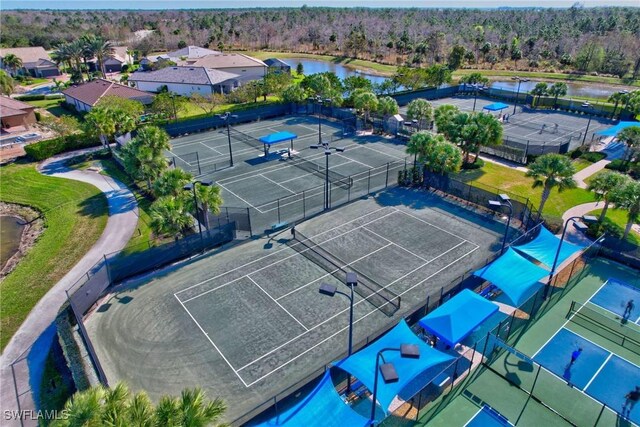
202,4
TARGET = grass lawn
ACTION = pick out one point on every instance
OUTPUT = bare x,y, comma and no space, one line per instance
191,110
493,176
54,106
75,215
580,164
619,218
33,81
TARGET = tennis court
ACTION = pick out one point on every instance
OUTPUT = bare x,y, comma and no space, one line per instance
614,297
248,322
488,417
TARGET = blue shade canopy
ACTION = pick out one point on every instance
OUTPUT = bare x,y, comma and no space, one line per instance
362,364
615,130
274,138
458,317
544,247
496,106
514,275
324,404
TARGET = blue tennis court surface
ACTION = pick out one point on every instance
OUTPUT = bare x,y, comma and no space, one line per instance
599,373
488,417
614,295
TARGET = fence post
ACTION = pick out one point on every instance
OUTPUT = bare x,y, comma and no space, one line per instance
473,356
249,221
198,162
386,182
535,380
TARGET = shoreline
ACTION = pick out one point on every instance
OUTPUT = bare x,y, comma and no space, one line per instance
33,229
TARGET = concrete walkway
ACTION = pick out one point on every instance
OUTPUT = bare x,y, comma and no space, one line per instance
32,340
613,150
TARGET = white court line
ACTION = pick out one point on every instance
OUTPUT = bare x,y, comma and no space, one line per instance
397,245
211,341
175,155
366,146
598,345
277,183
435,226
250,204
355,321
352,161
474,416
598,371
279,305
211,148
279,261
278,251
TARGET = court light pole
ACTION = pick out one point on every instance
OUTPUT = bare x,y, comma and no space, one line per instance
589,108
330,290
327,153
225,117
586,219
520,81
388,371
505,201
192,187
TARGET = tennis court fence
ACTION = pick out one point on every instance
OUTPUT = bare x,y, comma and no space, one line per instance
382,298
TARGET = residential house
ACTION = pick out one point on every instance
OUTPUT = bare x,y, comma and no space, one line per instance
85,96
35,61
184,56
277,66
185,80
15,113
115,62
245,67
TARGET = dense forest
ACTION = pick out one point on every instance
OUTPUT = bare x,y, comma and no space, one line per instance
603,40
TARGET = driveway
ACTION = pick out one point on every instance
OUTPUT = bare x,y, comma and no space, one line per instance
32,340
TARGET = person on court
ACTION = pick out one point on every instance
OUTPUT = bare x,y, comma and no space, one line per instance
574,356
631,399
628,309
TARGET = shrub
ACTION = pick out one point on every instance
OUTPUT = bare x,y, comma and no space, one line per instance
606,226
30,98
554,224
38,115
634,170
44,149
479,164
593,157
618,165
576,153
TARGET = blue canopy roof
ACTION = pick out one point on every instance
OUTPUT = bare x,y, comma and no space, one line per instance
543,248
514,275
458,317
496,106
362,364
323,403
274,138
615,130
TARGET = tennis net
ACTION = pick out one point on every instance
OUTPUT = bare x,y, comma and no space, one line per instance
247,139
385,300
609,326
309,166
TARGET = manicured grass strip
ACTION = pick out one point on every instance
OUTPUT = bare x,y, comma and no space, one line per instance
580,164
493,176
54,106
75,215
618,218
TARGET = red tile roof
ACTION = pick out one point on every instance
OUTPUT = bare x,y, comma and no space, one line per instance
91,92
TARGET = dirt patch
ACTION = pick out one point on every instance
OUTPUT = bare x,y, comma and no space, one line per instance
33,229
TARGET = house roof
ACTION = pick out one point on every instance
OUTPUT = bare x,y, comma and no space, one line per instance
91,92
11,107
191,52
227,60
186,75
28,55
275,61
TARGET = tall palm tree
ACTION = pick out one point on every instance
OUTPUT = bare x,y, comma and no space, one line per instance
195,411
387,106
603,184
171,183
631,137
97,47
83,408
76,53
556,90
61,55
481,130
616,97
420,110
365,102
441,156
551,171
539,90
12,62
170,216
443,116
6,83
417,145
210,199
628,197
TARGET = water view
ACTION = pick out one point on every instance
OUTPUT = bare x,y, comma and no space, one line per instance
10,233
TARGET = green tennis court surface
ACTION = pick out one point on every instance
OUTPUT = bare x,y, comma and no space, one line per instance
248,322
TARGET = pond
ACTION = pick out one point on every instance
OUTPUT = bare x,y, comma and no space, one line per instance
575,90
10,233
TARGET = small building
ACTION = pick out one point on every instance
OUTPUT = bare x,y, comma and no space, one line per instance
186,80
85,96
35,62
245,67
14,113
277,66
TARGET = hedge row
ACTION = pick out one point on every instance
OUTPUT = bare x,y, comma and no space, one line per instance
44,149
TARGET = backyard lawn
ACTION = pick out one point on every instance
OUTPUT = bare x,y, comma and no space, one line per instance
493,176
75,215
54,106
191,110
619,218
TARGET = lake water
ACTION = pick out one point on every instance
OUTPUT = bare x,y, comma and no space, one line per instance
10,233
575,90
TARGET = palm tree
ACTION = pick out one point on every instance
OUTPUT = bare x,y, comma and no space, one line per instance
387,106
195,411
420,110
83,408
61,55
75,54
441,156
628,197
557,90
444,115
481,130
144,155
417,145
617,97
12,62
170,216
100,49
101,123
210,198
365,102
603,184
539,90
6,83
171,183
631,137
549,171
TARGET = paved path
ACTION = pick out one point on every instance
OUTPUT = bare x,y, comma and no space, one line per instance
35,334
613,150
